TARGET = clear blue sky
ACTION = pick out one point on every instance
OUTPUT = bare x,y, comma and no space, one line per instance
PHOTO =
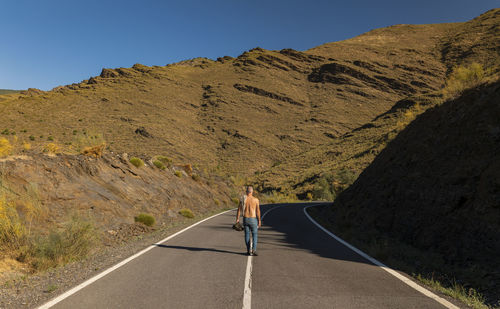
56,42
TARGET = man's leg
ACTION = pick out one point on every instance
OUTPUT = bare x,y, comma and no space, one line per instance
247,235
254,236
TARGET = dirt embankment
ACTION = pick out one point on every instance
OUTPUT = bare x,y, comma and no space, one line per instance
109,190
435,190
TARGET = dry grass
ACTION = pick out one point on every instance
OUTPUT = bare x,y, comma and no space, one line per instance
19,239
72,242
5,147
94,151
463,78
52,148
469,296
278,197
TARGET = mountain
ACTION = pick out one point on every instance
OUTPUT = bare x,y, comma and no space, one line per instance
435,189
8,91
243,115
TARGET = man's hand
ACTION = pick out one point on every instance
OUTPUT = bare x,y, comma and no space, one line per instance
238,220
260,224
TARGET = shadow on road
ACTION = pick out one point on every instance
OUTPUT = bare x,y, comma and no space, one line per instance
288,228
197,249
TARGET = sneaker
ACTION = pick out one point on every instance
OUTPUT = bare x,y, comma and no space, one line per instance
249,253
254,253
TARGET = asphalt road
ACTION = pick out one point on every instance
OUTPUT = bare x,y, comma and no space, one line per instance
298,266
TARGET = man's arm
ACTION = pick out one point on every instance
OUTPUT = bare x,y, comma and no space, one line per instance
258,213
239,212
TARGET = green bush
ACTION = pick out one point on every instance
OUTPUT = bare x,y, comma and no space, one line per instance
323,188
186,213
32,138
165,160
196,177
235,200
146,219
178,174
137,162
159,164
217,202
72,243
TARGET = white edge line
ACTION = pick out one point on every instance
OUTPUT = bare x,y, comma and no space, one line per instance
120,264
409,282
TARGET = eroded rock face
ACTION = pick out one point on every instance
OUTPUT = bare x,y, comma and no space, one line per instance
109,190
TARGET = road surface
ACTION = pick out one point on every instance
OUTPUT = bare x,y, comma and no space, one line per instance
299,266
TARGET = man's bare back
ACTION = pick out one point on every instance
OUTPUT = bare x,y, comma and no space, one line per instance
251,206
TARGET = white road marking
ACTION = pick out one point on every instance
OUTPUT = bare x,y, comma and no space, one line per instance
409,282
247,292
109,270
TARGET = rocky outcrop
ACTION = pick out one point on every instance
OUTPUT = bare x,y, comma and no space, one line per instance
264,93
109,190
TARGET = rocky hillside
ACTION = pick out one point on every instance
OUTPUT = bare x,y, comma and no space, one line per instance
436,189
244,115
109,190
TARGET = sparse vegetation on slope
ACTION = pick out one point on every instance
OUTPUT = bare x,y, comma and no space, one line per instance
146,219
431,196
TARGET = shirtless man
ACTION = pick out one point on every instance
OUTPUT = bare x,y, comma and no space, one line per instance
250,208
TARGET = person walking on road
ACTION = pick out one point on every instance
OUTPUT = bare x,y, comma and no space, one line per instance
249,207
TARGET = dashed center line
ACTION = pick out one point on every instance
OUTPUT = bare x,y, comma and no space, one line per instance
247,292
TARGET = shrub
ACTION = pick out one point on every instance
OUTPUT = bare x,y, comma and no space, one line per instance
52,148
50,138
186,213
323,188
26,146
73,242
196,177
12,230
462,78
165,160
279,197
309,196
136,162
347,177
6,132
94,151
235,200
32,138
145,219
159,164
178,174
5,147
217,202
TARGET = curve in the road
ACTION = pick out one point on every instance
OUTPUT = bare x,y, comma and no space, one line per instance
300,264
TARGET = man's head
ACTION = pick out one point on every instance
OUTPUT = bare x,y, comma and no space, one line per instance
249,190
